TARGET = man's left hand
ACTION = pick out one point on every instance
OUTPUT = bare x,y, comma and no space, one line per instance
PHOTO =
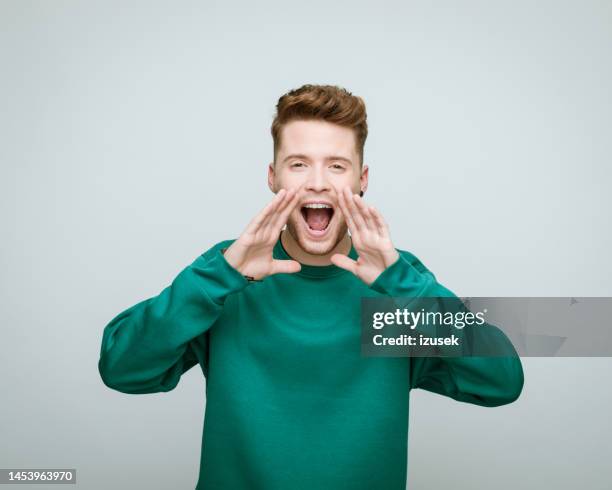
370,235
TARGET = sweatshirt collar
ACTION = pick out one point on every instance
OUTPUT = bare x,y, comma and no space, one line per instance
320,271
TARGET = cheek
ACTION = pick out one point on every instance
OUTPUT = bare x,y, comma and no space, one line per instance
342,181
290,182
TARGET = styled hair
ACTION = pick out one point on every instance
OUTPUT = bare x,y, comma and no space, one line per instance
323,102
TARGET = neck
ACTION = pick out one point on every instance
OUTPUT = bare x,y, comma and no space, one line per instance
297,253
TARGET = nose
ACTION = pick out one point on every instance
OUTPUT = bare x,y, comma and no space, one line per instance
317,180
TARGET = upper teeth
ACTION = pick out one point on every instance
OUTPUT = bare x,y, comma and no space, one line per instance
317,206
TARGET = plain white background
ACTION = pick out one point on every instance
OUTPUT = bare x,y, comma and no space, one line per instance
135,135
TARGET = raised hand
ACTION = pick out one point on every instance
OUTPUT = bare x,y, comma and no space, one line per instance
370,235
251,253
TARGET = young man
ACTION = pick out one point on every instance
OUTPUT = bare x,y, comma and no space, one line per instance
273,320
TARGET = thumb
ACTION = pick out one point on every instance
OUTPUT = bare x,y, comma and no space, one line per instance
344,262
285,266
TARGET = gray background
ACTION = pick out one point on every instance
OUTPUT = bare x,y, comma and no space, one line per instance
136,134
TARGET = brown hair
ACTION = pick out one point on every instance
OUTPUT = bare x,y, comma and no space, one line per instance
326,102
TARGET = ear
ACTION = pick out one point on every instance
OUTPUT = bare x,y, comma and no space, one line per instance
363,180
271,177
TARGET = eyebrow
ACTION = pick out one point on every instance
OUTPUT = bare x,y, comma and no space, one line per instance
305,157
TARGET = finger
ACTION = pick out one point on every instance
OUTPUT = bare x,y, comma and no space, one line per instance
365,212
266,211
271,218
345,212
283,212
344,262
355,212
264,214
381,224
285,266
289,197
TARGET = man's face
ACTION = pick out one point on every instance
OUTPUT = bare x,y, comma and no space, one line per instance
321,157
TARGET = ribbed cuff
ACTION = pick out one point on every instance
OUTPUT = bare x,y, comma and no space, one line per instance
401,279
217,277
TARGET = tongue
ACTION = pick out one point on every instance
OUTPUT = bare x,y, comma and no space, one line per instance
317,219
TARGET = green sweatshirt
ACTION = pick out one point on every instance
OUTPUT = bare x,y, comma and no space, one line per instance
291,403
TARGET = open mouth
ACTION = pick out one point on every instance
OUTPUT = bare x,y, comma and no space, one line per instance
317,217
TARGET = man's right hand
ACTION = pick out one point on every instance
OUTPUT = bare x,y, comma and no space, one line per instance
251,253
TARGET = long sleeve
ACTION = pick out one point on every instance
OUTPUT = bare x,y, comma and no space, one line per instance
485,381
147,348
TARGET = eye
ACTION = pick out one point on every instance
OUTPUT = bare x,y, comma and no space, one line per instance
338,166
296,164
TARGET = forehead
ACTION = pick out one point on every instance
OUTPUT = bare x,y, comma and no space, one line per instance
318,139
